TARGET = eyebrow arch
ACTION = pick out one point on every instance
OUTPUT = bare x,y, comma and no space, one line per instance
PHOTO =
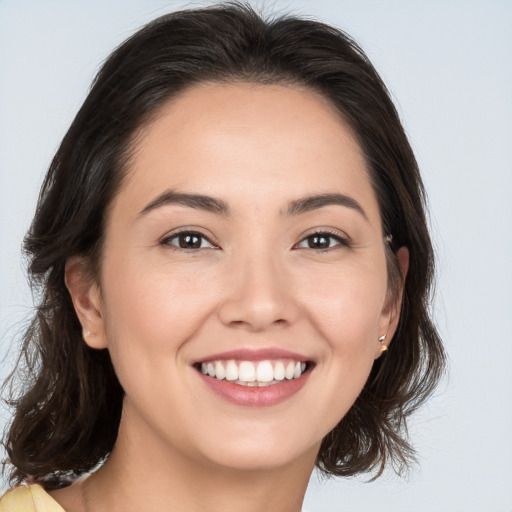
196,201
307,204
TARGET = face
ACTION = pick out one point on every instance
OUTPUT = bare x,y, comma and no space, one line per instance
243,283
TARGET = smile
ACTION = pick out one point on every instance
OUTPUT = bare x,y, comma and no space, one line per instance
255,377
252,373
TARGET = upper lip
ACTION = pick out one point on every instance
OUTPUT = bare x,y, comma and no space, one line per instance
249,354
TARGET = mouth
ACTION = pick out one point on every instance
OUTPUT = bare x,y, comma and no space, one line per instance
255,378
268,372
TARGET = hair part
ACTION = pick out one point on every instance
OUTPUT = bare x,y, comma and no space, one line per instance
67,415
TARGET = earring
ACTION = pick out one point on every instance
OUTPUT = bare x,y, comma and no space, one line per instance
383,347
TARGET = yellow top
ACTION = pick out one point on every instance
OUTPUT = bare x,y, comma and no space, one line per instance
29,498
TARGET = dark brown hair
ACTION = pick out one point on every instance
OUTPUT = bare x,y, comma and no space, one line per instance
68,400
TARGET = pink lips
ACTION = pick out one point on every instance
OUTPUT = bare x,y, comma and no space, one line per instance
255,396
255,355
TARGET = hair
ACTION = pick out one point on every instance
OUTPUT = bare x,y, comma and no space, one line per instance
66,396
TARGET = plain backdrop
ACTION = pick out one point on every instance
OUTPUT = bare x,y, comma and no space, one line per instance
448,65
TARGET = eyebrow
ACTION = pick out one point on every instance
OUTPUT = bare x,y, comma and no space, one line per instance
307,204
218,206
196,201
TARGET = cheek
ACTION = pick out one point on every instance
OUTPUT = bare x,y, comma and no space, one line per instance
347,316
346,311
346,305
151,313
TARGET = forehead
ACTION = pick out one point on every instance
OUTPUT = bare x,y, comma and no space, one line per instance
241,141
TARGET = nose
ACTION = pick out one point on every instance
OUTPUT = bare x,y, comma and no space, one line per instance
259,296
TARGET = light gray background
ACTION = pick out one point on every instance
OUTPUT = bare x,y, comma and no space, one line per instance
448,65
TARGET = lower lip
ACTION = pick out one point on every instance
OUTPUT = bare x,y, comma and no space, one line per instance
255,396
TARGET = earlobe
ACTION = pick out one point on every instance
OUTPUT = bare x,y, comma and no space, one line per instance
391,313
86,298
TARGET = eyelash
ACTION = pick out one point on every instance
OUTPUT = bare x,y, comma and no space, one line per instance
168,239
341,241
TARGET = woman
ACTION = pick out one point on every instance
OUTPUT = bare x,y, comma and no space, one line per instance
234,269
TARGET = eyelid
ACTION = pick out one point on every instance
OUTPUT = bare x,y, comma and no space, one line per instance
343,239
165,240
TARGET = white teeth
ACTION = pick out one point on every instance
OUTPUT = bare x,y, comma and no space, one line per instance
248,373
231,371
279,371
264,372
290,370
220,372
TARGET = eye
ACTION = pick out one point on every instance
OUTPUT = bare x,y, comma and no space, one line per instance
322,241
188,240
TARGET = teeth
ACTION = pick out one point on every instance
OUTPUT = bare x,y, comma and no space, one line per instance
264,372
231,371
279,371
290,370
248,373
220,372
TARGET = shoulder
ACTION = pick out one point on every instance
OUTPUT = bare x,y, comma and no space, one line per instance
29,498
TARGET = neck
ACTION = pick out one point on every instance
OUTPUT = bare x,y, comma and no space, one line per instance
166,480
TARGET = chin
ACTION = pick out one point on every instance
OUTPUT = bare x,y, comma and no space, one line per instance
262,454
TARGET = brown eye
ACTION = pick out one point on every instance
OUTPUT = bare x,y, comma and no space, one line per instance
319,242
188,240
322,241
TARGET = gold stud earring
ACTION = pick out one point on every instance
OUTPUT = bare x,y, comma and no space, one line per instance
87,334
383,347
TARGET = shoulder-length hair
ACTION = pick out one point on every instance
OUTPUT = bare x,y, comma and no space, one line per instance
68,408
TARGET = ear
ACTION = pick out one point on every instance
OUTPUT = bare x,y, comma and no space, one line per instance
86,298
390,315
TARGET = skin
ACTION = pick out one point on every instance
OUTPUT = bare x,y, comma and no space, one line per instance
255,282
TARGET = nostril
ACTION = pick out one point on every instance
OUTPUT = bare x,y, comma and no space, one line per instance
254,326
238,323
